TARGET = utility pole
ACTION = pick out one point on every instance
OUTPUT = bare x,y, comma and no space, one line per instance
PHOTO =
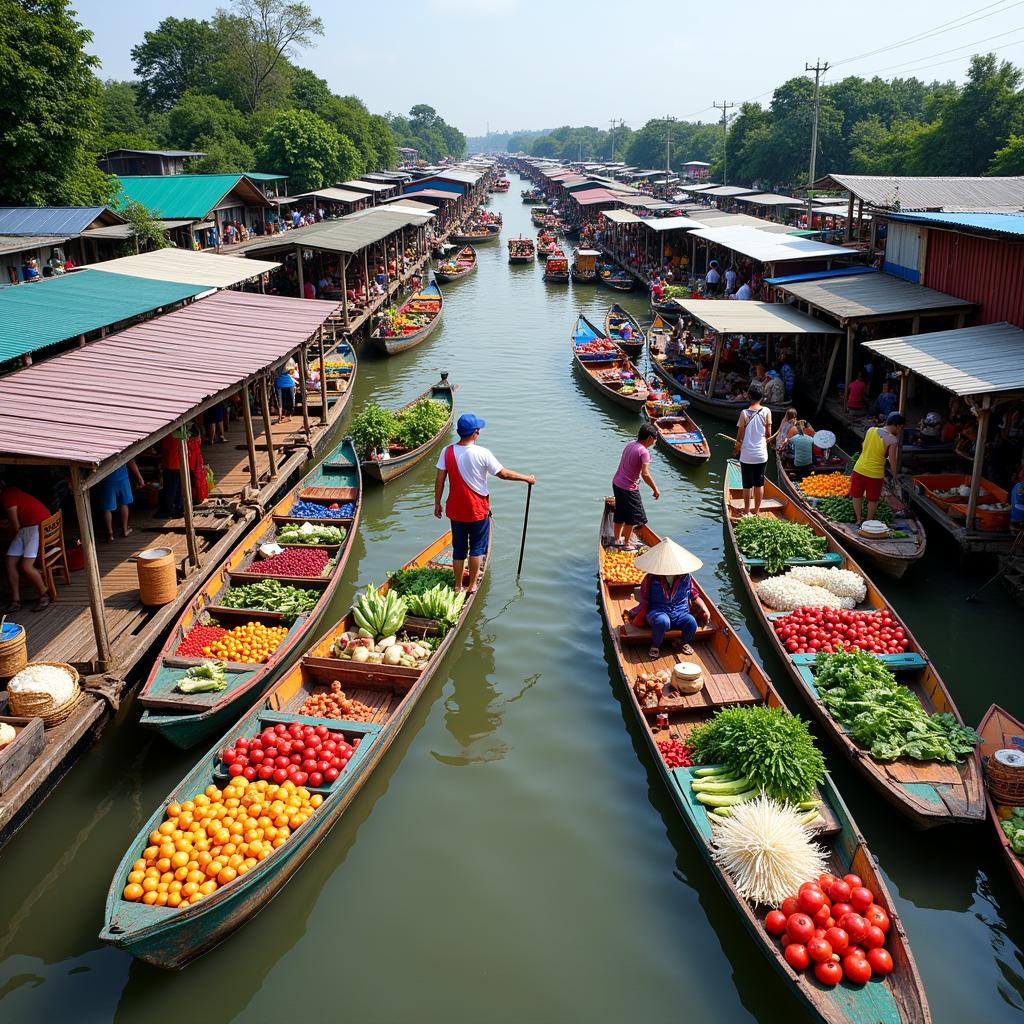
669,121
611,135
723,107
819,69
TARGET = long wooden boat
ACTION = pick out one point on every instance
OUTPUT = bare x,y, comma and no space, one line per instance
1000,730
722,408
733,677
892,555
614,321
531,196
501,185
473,236
521,250
678,434
169,937
605,370
570,230
426,305
584,266
615,278
401,460
460,265
537,215
556,267
186,719
669,309
927,792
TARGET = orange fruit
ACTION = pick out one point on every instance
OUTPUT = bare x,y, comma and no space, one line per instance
150,897
133,892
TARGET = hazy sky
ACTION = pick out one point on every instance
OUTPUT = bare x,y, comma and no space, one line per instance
530,64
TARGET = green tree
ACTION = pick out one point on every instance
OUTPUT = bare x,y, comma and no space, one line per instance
309,150
178,55
119,110
517,143
201,116
546,146
1010,159
223,154
147,230
49,107
383,141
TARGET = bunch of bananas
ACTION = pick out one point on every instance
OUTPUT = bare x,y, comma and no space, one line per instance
378,614
440,603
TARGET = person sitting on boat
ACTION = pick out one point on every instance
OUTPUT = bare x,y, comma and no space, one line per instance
774,389
787,428
667,598
625,331
657,290
788,375
801,447
880,446
674,346
929,429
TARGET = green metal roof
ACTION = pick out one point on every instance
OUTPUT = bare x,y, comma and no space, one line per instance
263,176
35,315
179,196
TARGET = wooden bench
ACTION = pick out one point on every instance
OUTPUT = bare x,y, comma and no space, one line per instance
630,634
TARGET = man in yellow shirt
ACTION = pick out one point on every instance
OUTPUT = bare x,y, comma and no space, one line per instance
880,444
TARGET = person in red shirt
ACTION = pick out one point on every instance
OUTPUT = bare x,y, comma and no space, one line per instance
856,394
24,514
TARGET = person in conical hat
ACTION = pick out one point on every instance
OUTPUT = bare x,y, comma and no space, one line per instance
667,596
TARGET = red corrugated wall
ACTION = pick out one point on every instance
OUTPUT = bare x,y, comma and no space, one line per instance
987,271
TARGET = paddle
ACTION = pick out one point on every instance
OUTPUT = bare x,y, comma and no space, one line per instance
726,436
526,519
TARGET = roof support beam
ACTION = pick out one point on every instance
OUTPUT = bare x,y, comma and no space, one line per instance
93,581
983,413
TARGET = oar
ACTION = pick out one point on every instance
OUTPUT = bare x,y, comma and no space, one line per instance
526,519
726,436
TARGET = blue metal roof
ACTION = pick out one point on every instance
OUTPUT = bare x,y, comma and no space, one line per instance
817,275
47,220
998,223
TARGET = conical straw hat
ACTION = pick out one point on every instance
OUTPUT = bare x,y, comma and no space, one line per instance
668,559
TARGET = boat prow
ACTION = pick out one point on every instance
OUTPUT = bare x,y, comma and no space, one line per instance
1001,731
424,308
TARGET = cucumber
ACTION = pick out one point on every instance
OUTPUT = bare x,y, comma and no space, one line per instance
712,770
730,786
724,799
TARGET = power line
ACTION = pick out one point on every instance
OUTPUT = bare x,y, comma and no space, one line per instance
953,49
819,69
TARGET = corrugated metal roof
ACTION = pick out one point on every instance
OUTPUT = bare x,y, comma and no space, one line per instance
727,191
410,206
768,247
721,219
346,234
851,297
977,361
23,243
594,195
902,193
745,317
211,270
770,199
337,195
433,193
47,220
42,313
700,186
265,176
366,186
187,196
155,152
671,223
994,223
90,404
816,275
621,216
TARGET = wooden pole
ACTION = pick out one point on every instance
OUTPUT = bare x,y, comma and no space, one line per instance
267,430
303,376
343,260
302,273
323,376
848,371
186,499
902,408
714,368
366,278
828,375
250,439
93,581
983,415
526,519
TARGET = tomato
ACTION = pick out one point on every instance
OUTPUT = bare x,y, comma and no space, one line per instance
828,972
838,940
861,898
852,880
819,950
299,778
316,779
284,748
877,916
775,922
858,951
796,956
228,756
855,926
856,969
322,766
880,961
296,758
840,910
811,901
819,933
808,885
266,771
298,744
874,939
249,773
331,774
790,906
270,752
799,927
280,775
839,891
280,729
281,761
235,769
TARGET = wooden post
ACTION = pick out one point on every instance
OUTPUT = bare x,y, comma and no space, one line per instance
714,368
343,260
323,376
366,278
93,581
983,415
250,438
186,499
828,375
902,409
303,376
267,430
849,218
301,272
848,372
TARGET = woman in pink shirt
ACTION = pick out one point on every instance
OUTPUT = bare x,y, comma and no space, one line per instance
629,508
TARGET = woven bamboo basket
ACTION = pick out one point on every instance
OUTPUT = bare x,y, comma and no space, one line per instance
40,705
158,578
1005,781
13,650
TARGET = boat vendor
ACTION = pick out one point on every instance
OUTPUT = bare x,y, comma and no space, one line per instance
667,598
634,463
754,427
467,465
880,445
24,514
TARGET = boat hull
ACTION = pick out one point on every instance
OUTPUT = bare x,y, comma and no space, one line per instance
681,453
1000,729
392,346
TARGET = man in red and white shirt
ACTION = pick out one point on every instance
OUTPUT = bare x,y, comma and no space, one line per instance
466,466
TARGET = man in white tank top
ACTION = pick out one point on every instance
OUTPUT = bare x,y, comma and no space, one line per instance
753,430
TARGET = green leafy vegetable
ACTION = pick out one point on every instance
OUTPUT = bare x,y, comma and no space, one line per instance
272,595
417,581
311,534
884,715
373,429
840,510
209,677
420,422
776,541
439,602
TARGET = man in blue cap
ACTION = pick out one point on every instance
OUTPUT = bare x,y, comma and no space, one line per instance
466,466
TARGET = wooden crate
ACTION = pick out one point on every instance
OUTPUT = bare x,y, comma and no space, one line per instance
17,756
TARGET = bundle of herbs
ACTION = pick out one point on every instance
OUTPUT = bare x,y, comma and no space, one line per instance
420,580
776,541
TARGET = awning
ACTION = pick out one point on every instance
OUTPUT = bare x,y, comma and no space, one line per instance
817,275
208,269
770,199
766,247
346,234
367,186
90,404
970,362
743,317
621,216
728,191
334,195
26,243
660,224
110,232
427,193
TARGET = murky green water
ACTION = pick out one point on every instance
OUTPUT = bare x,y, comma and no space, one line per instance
515,857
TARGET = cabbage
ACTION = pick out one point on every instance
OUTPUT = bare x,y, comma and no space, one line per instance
1018,842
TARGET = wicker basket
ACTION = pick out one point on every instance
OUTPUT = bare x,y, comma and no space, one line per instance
158,578
40,705
13,651
1005,781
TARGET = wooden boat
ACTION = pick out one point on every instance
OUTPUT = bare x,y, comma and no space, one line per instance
537,215
678,434
927,792
501,185
584,266
186,719
474,236
615,278
668,309
493,227
604,369
556,267
424,309
400,460
570,230
532,196
733,677
892,555
615,320
521,250
459,265
1000,730
170,938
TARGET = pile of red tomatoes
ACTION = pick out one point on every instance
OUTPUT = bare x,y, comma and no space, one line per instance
302,754
809,630
835,925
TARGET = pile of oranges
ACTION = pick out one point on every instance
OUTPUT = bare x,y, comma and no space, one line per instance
253,643
619,567
214,838
826,485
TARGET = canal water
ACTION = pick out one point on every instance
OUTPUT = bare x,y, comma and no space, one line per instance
515,857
